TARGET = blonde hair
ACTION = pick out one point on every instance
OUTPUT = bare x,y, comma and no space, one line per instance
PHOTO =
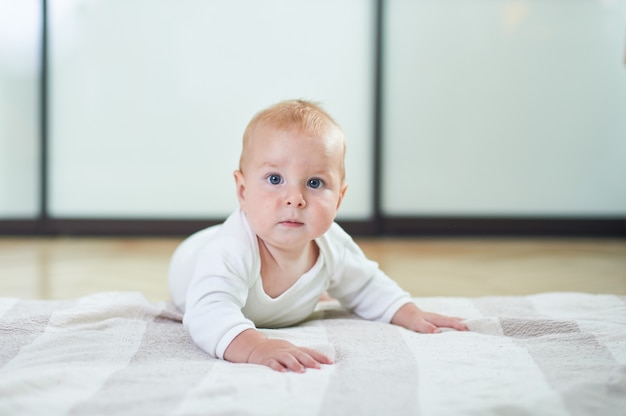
306,116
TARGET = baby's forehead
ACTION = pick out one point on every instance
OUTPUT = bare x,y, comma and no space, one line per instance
257,136
331,136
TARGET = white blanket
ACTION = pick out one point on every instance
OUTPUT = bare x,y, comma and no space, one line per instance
118,354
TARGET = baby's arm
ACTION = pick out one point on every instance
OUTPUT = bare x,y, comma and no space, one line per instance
251,346
411,317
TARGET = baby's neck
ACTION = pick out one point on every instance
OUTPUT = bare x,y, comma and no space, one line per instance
280,269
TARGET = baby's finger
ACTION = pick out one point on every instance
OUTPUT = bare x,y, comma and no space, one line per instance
318,356
291,362
306,360
447,322
457,324
275,365
425,327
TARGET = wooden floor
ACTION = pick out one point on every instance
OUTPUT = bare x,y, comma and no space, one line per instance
56,268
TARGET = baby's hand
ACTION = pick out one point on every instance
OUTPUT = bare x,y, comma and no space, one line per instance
283,355
251,346
413,318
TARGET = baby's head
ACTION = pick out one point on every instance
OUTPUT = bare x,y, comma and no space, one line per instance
305,117
290,181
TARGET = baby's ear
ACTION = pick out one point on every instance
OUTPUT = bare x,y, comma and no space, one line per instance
342,193
240,185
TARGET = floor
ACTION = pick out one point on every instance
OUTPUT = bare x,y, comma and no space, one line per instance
57,268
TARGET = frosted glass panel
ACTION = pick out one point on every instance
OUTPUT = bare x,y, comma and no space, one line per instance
505,108
19,108
150,98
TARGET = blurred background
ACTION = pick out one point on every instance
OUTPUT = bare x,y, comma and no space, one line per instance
474,110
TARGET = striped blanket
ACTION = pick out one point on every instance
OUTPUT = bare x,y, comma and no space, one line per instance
119,354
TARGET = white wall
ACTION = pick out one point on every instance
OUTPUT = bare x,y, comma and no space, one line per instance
20,23
505,108
491,108
150,98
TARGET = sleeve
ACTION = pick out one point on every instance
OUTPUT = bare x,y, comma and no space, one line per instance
216,295
361,286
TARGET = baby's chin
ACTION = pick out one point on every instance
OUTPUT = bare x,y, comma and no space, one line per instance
287,241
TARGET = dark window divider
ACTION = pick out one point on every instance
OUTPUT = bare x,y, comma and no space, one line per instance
519,227
389,226
43,221
377,118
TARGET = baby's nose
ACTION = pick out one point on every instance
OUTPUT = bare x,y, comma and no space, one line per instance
295,199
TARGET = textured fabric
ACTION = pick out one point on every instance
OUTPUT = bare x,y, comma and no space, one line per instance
118,354
224,291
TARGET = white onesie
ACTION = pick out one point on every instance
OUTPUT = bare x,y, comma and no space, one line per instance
215,279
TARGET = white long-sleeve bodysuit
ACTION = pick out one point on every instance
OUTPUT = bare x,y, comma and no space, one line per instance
215,278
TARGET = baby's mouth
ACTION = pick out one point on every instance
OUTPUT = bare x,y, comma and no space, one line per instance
291,223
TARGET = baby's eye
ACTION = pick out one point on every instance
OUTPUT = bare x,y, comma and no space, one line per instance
274,179
315,183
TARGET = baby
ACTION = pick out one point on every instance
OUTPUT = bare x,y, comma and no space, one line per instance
268,264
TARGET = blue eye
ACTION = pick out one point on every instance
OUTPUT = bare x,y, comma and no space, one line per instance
274,179
315,183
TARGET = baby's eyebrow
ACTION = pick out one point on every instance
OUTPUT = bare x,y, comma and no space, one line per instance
270,164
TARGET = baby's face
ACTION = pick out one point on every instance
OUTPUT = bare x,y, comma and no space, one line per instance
291,185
